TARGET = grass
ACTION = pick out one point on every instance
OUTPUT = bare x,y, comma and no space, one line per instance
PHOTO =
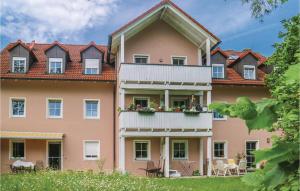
83,181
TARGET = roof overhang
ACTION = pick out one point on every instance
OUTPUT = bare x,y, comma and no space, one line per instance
30,135
172,15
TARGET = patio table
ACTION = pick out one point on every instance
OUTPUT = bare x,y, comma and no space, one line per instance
21,166
230,167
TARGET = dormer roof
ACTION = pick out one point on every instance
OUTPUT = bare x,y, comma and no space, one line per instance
19,42
57,43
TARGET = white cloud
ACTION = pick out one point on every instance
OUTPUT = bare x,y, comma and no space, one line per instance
45,20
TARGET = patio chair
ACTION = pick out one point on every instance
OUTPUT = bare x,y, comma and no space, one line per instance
221,168
151,169
242,168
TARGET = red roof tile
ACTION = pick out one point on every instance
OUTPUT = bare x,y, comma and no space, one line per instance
74,70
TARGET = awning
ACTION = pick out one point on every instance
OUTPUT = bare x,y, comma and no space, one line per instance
30,135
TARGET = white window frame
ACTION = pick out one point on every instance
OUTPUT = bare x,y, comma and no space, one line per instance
254,72
220,119
84,109
13,63
98,68
137,97
11,141
11,109
217,65
98,151
148,150
225,149
55,60
47,108
257,147
184,57
141,55
186,149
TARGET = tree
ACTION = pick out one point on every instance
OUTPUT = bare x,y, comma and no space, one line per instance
279,113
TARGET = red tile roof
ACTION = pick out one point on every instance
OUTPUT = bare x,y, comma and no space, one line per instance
37,70
234,78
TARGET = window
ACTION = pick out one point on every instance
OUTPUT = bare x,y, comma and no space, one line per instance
18,107
220,150
218,116
251,146
92,109
142,102
180,150
218,71
178,102
178,61
55,65
141,59
17,149
249,72
55,107
142,150
91,66
91,150
19,65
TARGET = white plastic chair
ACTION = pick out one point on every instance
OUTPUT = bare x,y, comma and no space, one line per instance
221,168
242,168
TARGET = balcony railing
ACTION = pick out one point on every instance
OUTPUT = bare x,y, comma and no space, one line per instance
165,120
165,73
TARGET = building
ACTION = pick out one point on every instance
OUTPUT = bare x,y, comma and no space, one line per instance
72,105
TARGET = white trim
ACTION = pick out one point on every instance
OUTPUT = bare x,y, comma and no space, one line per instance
184,57
61,152
186,145
148,150
55,60
254,73
11,141
141,55
257,147
98,154
138,97
47,108
18,58
225,149
84,109
166,134
212,70
92,59
11,109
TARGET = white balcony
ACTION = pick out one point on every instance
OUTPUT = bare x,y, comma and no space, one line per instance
165,120
162,73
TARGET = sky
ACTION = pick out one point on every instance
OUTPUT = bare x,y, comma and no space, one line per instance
82,21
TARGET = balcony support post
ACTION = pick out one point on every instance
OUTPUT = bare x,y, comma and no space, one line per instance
122,47
209,156
199,56
201,156
122,99
207,52
208,97
166,100
167,157
122,154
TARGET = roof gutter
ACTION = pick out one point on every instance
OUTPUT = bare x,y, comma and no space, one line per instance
109,48
212,48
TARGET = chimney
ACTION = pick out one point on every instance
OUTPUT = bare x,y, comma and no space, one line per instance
32,45
246,49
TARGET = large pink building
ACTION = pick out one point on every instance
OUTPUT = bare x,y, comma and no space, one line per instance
143,97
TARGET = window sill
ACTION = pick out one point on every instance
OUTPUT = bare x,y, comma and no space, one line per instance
180,159
219,158
17,158
92,118
18,116
51,117
219,119
91,159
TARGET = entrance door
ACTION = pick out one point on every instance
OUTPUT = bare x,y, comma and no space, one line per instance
54,155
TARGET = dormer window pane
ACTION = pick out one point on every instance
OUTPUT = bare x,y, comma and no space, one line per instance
19,65
91,66
249,72
55,65
217,71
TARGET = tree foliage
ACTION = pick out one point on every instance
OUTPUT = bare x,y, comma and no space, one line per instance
279,113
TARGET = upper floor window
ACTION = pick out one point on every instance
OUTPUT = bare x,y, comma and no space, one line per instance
55,108
55,65
91,66
19,65
249,72
179,61
141,101
141,59
142,150
91,109
91,150
18,107
217,70
180,150
17,149
218,116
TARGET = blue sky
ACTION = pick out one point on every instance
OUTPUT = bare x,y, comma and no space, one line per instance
82,21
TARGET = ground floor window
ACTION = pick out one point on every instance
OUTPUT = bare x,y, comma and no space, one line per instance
142,150
17,149
180,150
91,150
220,149
251,146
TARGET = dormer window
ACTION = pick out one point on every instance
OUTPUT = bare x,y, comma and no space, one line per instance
19,65
217,70
249,72
91,66
55,65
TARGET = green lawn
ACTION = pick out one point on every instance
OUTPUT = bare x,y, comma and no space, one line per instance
49,181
